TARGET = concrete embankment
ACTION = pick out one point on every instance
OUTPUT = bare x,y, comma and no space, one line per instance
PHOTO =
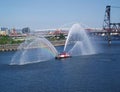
58,43
8,47
13,47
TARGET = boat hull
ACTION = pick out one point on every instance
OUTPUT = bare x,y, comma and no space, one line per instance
63,55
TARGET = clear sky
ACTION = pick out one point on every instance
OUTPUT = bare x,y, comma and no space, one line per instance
39,14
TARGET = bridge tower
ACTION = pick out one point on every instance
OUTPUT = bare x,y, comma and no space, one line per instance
108,26
106,23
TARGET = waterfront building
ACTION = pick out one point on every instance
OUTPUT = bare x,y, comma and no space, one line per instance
26,30
4,31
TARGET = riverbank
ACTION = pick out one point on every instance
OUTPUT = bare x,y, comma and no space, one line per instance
13,47
58,43
9,47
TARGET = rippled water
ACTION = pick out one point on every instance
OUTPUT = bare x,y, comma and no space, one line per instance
89,73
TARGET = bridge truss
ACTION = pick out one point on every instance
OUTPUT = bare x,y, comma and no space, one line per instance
108,26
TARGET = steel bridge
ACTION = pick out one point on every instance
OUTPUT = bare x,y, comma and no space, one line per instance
107,25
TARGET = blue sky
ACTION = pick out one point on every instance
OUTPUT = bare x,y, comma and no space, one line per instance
39,14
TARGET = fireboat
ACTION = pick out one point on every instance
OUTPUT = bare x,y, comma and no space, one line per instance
63,55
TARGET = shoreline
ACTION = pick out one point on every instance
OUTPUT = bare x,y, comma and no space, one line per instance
14,47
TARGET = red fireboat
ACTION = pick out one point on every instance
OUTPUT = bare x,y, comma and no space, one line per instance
62,55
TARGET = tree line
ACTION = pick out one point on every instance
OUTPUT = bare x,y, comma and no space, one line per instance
8,40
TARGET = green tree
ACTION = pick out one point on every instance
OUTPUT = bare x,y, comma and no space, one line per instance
61,36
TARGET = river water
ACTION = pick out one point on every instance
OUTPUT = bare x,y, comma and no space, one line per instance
91,73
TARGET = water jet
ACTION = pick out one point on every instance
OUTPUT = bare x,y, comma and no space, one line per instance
34,49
